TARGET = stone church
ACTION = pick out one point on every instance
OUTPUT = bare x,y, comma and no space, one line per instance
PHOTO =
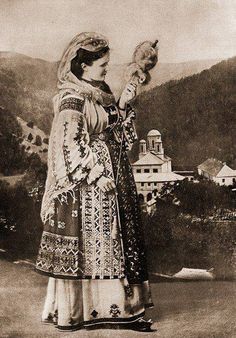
153,168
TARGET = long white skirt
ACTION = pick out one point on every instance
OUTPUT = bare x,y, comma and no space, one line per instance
73,304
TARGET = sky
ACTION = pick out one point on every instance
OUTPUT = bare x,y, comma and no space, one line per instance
186,29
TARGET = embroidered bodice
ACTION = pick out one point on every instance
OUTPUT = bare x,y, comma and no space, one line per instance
97,117
78,116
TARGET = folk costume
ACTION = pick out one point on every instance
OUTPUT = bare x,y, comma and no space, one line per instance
92,244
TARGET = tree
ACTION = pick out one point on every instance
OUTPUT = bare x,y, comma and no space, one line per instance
38,140
201,199
30,124
30,137
20,227
46,140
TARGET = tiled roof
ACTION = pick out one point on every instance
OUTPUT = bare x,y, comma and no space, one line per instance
151,158
226,172
158,177
211,166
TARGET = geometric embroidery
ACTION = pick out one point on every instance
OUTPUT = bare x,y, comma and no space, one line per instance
103,254
74,213
72,103
128,291
61,225
114,311
59,255
94,313
111,242
98,253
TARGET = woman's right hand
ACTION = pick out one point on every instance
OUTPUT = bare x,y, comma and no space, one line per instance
106,184
127,95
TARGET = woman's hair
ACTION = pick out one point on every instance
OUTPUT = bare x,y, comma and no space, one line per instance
87,57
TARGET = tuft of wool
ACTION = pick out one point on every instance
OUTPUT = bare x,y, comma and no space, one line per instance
144,58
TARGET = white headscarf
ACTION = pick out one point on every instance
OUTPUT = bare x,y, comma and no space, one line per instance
92,42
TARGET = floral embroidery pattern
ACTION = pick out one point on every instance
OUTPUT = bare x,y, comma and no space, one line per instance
130,217
52,223
66,151
128,291
94,313
55,317
63,198
114,311
74,213
61,225
79,136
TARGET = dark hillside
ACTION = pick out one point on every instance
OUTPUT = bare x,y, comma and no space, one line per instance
195,115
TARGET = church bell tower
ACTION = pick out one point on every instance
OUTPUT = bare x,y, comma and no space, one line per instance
155,143
142,148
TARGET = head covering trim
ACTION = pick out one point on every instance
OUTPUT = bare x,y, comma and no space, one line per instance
68,81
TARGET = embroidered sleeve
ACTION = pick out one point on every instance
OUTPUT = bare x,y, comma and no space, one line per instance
80,161
125,129
113,115
130,133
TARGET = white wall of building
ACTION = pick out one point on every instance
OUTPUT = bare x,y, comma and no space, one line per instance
147,169
162,168
225,180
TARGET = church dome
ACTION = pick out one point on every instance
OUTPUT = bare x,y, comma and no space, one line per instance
142,141
154,132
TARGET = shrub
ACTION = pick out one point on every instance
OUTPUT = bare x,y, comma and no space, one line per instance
46,140
30,137
191,234
30,124
38,140
20,227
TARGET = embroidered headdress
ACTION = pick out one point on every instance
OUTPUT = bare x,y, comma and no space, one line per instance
90,41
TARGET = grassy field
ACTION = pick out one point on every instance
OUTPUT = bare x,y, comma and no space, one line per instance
182,310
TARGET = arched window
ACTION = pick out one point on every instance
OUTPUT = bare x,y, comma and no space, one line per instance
141,198
153,144
149,196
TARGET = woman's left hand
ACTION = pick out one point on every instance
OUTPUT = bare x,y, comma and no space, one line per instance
127,95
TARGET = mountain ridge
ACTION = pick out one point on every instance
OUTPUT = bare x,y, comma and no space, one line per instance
195,115
27,88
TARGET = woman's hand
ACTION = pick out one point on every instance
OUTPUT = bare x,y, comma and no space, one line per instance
127,95
106,184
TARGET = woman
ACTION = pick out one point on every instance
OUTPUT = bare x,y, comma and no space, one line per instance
92,243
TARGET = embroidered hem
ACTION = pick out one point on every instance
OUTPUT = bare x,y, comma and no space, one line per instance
75,304
79,277
101,321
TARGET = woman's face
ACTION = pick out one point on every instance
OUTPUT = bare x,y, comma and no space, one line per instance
97,71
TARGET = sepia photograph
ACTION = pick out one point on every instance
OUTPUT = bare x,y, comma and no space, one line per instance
117,168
